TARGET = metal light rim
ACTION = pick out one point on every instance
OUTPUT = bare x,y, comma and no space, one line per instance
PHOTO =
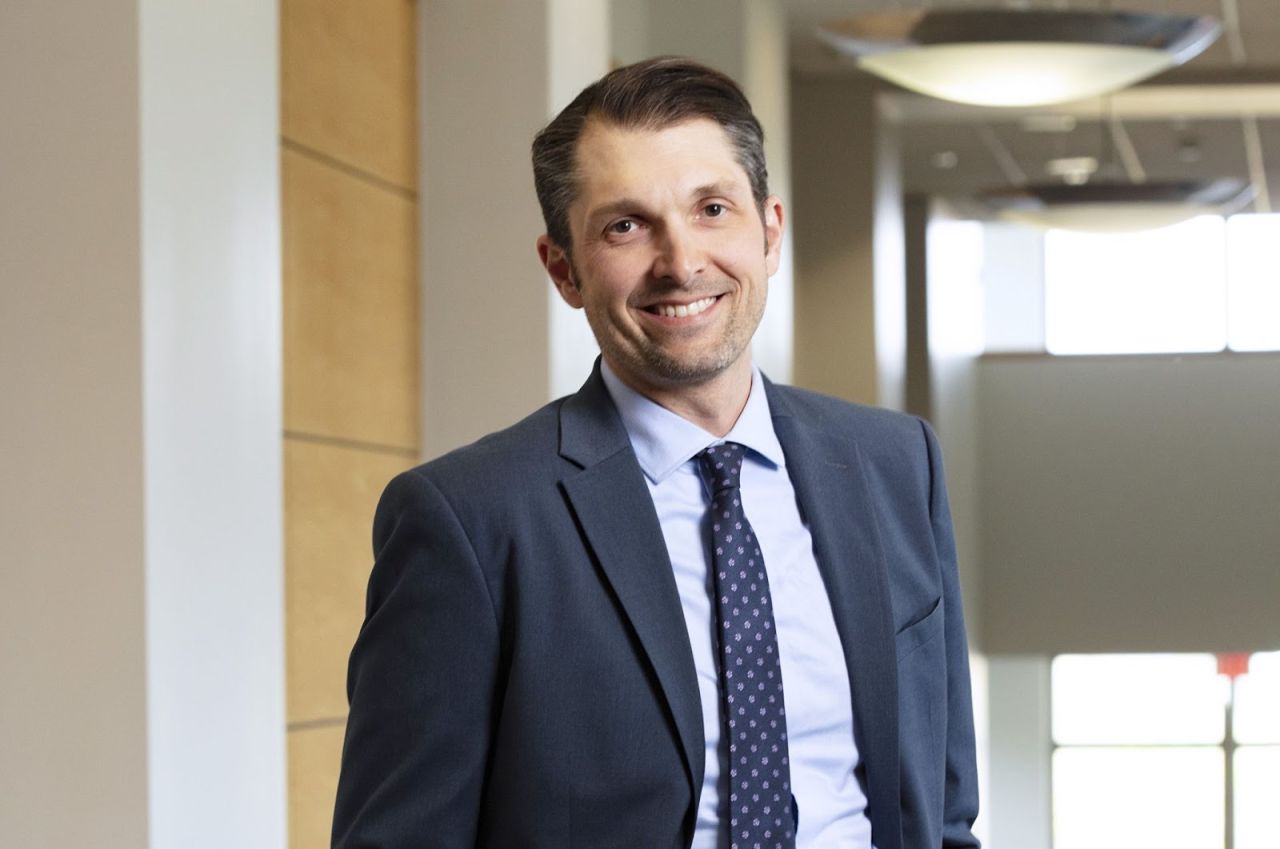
1181,36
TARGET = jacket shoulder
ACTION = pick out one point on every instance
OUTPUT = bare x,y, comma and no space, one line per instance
523,451
871,427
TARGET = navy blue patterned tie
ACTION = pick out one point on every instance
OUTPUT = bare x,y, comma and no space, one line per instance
755,720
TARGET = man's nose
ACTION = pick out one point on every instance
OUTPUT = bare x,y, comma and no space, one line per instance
680,259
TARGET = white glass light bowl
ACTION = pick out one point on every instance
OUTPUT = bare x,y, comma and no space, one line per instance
1004,57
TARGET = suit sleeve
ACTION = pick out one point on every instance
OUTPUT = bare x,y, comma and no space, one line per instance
960,791
421,683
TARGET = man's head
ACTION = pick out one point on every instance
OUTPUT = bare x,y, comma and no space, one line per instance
657,227
651,95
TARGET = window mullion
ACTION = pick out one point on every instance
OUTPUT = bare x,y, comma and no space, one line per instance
1228,773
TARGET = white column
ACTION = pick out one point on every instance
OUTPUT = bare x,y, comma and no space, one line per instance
212,401
1018,808
493,72
141,608
578,44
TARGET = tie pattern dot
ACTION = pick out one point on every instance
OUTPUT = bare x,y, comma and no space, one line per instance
755,718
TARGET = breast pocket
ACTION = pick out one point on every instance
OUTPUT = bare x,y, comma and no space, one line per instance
919,633
922,693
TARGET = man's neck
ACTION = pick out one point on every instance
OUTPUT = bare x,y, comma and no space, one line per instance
713,405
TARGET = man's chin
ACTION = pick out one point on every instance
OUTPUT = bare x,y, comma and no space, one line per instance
664,369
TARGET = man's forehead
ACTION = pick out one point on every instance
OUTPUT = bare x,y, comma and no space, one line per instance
600,134
694,152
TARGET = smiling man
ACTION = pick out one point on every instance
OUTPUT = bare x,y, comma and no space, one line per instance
683,607
669,253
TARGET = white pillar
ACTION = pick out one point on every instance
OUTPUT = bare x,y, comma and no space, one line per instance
579,50
493,72
1019,807
141,613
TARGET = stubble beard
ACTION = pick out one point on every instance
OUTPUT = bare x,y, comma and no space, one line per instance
656,364
649,361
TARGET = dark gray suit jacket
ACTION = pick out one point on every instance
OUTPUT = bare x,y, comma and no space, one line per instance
524,678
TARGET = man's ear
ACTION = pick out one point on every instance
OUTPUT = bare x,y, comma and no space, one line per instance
555,260
772,214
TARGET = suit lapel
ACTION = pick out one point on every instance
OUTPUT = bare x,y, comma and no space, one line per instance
614,508
836,502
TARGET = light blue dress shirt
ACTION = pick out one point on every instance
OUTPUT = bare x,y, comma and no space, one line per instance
824,757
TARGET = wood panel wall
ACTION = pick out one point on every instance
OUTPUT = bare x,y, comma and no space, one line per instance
349,172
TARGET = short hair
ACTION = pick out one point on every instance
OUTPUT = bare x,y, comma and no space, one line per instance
653,94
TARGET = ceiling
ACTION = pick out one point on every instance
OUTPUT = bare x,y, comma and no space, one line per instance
1216,116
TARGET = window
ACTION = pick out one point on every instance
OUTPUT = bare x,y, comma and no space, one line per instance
1207,284
1253,276
1178,751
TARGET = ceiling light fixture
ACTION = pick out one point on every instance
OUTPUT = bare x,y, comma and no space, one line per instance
1010,57
1114,207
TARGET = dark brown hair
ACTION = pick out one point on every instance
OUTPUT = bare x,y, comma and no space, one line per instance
653,94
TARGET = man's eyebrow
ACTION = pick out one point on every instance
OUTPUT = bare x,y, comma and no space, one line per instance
615,207
721,189
629,204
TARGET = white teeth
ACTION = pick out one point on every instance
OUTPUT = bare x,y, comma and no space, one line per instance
683,311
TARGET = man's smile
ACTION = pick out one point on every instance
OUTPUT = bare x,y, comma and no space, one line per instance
678,309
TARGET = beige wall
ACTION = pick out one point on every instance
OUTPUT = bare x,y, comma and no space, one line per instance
485,336
497,342
71,496
351,375
834,181
1129,503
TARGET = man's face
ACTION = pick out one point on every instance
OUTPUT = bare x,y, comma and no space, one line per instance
671,255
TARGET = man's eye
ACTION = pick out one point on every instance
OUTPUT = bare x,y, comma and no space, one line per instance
713,210
623,227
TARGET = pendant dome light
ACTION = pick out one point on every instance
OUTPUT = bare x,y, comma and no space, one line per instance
1091,197
1010,57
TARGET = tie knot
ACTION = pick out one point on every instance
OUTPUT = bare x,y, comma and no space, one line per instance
722,465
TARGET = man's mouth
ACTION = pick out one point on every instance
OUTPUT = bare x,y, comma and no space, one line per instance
681,310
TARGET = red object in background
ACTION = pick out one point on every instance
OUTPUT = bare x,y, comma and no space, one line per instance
1233,665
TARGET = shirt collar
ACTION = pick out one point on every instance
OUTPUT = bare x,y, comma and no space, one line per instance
663,441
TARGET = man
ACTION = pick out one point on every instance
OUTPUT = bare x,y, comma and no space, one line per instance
574,636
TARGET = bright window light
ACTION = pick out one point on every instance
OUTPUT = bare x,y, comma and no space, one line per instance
1257,701
955,260
1141,756
1253,275
1126,798
1257,776
1137,699
1207,284
1159,291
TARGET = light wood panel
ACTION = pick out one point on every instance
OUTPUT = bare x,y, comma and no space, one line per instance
350,306
314,758
348,85
349,174
330,495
